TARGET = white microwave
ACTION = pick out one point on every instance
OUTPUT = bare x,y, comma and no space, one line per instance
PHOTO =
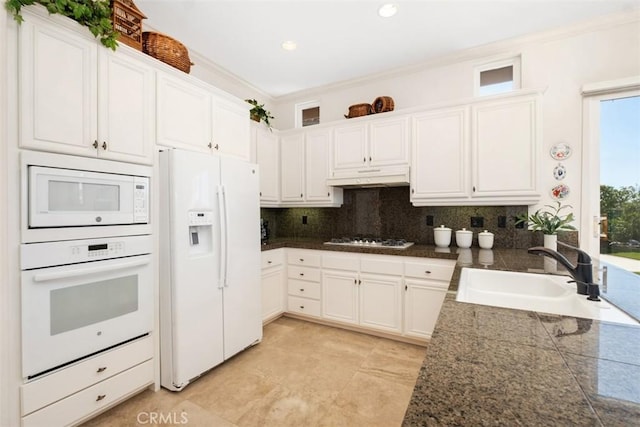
59,197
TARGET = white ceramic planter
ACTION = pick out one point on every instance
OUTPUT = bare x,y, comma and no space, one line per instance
551,241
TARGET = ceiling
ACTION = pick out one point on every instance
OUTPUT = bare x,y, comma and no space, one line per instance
343,40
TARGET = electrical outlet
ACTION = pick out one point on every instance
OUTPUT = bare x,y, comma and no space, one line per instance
304,219
477,222
502,222
520,225
430,220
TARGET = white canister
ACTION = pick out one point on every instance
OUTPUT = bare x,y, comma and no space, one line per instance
464,238
485,239
442,236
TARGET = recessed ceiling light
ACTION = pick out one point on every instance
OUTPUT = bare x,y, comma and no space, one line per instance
289,45
388,10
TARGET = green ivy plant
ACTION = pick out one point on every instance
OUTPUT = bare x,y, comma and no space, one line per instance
258,112
94,14
548,221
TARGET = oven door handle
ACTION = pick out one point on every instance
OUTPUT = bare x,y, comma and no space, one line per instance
45,277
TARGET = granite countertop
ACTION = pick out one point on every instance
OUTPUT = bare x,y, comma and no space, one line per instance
496,366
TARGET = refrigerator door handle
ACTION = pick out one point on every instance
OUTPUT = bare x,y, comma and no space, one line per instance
223,243
226,237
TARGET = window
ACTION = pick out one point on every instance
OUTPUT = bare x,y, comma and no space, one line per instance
307,113
497,77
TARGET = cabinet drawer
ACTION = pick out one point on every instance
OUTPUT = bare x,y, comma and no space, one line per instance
92,399
304,306
304,289
381,265
65,382
300,257
272,258
429,270
341,262
304,273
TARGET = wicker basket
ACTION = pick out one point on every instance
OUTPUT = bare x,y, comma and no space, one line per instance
382,104
127,21
166,49
358,110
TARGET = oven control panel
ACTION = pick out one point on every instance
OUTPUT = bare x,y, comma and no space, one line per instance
98,250
51,254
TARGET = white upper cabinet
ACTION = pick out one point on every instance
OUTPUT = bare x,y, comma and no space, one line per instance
183,114
369,147
192,116
317,149
231,128
504,147
79,98
292,167
389,142
126,97
481,154
350,147
267,149
440,160
304,168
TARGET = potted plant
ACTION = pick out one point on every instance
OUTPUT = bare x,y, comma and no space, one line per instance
549,221
94,14
258,113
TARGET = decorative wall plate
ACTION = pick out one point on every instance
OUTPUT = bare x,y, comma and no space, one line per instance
560,151
560,191
559,172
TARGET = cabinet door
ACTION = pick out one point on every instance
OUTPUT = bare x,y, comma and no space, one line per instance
389,142
340,296
350,147
422,305
292,167
268,158
231,129
317,148
381,303
126,101
58,89
504,147
272,293
440,154
183,114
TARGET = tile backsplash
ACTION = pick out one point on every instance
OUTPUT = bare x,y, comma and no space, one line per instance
388,213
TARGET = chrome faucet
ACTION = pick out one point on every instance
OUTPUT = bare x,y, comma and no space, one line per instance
582,272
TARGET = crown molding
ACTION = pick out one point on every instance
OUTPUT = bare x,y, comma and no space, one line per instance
495,49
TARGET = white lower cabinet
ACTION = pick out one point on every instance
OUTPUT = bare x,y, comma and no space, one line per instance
366,291
273,281
303,284
78,392
340,296
354,295
381,302
426,283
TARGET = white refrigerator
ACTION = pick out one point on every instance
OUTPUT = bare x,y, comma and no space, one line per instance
210,301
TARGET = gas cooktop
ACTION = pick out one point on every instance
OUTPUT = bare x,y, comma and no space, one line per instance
370,242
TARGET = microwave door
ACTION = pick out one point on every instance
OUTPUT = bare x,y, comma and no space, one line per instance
65,198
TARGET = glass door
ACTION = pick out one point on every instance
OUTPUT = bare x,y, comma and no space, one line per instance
611,225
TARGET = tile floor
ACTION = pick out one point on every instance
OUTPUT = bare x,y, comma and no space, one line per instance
302,374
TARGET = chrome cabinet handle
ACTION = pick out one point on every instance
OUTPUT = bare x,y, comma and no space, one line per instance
100,397
210,145
216,147
104,145
101,369
95,144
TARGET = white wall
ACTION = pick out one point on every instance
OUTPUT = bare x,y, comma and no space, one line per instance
558,63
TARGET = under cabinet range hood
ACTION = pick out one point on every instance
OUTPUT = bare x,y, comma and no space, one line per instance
396,177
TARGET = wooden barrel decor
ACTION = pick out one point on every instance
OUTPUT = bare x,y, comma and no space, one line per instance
383,104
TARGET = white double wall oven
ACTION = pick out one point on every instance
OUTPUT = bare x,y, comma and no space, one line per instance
86,258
